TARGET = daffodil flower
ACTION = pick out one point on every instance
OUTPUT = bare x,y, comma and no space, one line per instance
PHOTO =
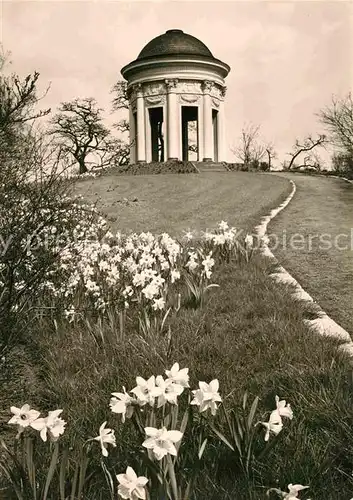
284,409
207,396
293,491
178,376
130,486
51,425
23,416
249,240
161,441
274,425
146,390
106,436
123,403
223,226
166,391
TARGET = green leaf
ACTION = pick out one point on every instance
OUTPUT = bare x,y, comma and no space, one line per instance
223,438
51,470
202,449
82,476
74,482
252,412
31,470
62,474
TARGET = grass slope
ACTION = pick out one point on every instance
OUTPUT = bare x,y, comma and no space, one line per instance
174,203
321,206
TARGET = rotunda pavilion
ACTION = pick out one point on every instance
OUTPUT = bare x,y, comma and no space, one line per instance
176,80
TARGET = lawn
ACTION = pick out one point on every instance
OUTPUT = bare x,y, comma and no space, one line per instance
322,207
176,202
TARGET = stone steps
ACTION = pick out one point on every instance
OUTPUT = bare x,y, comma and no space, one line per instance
209,166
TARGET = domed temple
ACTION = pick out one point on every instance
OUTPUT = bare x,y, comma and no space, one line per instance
176,82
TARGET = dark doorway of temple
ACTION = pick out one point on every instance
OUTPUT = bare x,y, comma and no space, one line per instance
215,134
190,132
157,137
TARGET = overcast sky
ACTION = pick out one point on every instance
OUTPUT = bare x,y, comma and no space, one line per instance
286,58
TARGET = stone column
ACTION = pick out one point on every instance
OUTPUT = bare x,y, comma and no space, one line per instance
141,129
173,120
222,154
207,122
132,135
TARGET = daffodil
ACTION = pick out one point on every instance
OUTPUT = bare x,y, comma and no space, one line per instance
249,240
23,416
178,376
51,425
161,441
274,425
223,226
123,403
207,396
146,390
130,486
293,491
166,391
283,408
106,436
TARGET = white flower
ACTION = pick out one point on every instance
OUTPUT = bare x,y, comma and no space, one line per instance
223,226
144,389
274,425
174,275
178,376
294,490
292,494
208,263
207,396
158,304
106,436
150,290
284,409
219,239
23,416
167,391
52,425
130,486
249,240
161,441
188,236
122,403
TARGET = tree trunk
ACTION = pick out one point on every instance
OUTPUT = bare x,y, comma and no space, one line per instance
82,167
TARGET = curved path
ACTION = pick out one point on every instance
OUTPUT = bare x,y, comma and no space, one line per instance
313,240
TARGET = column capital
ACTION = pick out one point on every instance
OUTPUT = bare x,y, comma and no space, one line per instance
207,85
138,88
223,91
171,84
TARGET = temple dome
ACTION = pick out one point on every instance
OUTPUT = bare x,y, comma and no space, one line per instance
175,42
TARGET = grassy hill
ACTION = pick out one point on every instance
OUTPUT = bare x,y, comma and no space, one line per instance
173,203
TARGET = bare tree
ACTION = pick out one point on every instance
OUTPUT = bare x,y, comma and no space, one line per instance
249,149
120,100
308,144
338,119
18,99
79,124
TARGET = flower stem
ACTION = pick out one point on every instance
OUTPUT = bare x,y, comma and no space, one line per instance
172,477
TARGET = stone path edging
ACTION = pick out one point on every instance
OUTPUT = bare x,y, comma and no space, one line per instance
323,324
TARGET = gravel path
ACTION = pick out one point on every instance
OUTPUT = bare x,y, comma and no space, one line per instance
313,239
